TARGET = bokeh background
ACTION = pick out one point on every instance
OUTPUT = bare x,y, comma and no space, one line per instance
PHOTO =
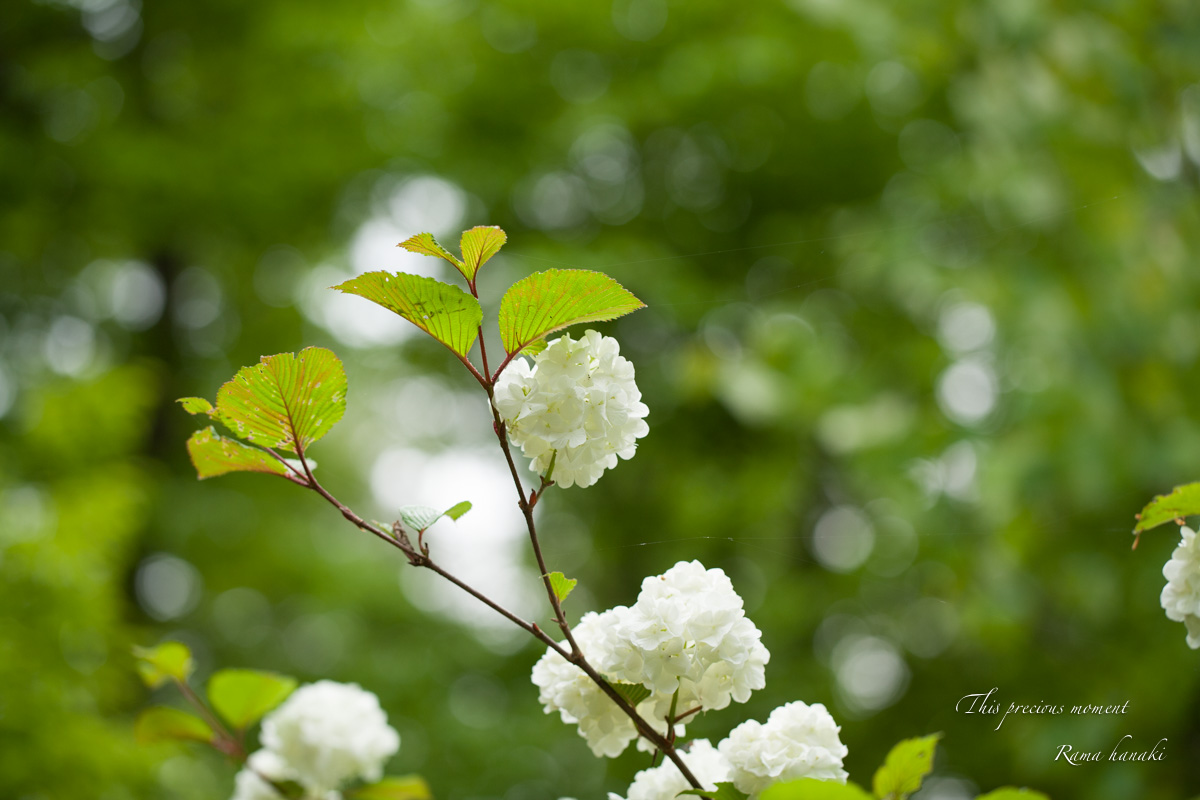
921,338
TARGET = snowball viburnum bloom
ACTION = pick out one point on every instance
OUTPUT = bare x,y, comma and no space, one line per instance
330,733
665,781
1181,596
797,741
576,406
252,783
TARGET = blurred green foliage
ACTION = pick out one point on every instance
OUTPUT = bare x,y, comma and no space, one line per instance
921,338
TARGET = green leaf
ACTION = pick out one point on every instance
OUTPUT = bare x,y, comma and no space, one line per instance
905,767
549,301
562,585
478,245
812,789
1013,793
419,517
408,787
243,696
163,724
634,693
286,400
213,454
725,791
426,245
457,510
195,405
167,661
445,312
1183,501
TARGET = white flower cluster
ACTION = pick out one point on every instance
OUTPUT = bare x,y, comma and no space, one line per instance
797,741
1181,596
687,632
577,406
665,781
325,735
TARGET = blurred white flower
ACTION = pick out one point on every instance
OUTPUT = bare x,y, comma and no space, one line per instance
665,781
577,406
1181,596
797,741
251,782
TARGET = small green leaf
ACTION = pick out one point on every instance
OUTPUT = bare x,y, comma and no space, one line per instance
213,454
1013,793
167,661
724,791
634,693
287,400
243,696
1183,501
457,510
445,312
419,517
426,245
195,405
812,789
407,787
478,245
562,585
905,767
549,301
163,724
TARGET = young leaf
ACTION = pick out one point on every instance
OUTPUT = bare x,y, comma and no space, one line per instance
905,767
195,405
1183,501
408,787
426,245
812,789
445,312
213,454
457,510
286,400
419,517
562,585
243,696
163,724
725,791
634,693
167,661
1013,793
549,301
478,245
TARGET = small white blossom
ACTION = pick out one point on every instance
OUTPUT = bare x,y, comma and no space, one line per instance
1181,596
665,781
252,783
577,406
329,733
797,741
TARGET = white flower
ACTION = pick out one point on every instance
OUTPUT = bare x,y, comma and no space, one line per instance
1181,596
577,406
251,782
329,733
665,781
797,741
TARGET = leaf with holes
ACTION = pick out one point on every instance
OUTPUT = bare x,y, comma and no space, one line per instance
1012,793
813,789
478,245
549,301
243,696
905,767
426,245
213,454
407,787
167,661
287,400
1183,501
445,312
634,693
724,791
561,584
163,724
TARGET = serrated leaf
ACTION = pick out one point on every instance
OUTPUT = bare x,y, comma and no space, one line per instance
287,400
164,724
419,517
634,693
407,787
1013,793
195,405
562,585
1183,501
724,791
549,301
905,767
426,245
478,245
243,696
167,661
445,312
812,789
213,454
457,510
